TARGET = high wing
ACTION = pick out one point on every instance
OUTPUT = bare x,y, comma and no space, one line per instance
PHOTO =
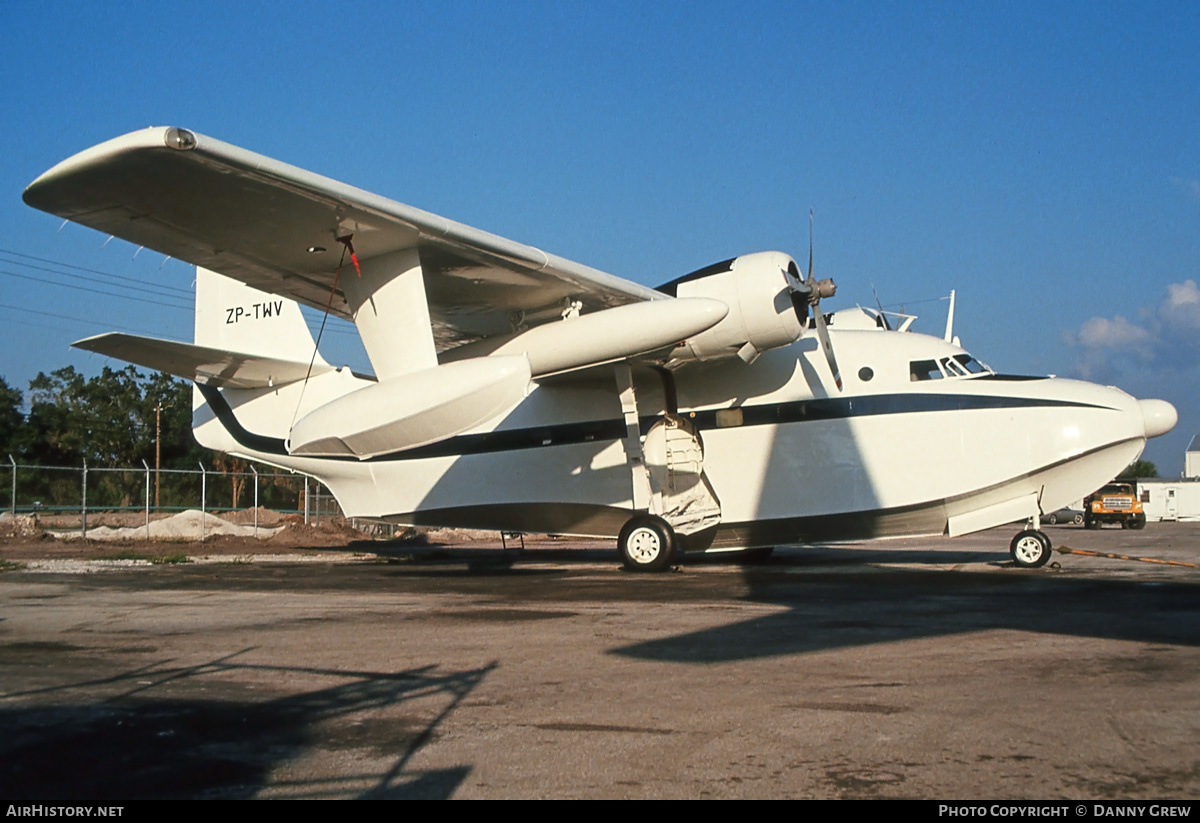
275,228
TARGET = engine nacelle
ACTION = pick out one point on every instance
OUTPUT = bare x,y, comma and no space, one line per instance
765,311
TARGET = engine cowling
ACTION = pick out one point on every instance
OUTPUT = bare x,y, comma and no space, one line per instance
766,309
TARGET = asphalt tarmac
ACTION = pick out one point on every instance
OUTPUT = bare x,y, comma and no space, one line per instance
902,669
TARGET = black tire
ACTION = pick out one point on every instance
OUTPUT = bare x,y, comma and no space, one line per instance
1031,549
1078,519
1052,519
1089,523
1138,522
646,544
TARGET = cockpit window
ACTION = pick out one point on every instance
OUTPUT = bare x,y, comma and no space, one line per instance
971,364
960,365
924,370
953,368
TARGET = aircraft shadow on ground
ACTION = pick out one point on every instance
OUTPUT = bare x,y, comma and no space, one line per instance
846,596
840,609
133,745
487,559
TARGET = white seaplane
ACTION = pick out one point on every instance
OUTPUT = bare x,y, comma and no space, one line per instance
518,391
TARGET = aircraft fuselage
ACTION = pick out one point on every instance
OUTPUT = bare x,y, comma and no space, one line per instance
787,456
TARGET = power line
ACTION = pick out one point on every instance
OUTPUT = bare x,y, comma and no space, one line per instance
42,281
163,291
59,263
104,324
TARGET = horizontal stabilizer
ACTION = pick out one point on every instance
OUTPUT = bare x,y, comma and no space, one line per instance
211,367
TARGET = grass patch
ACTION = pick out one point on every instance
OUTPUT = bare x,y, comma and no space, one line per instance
170,559
10,566
155,559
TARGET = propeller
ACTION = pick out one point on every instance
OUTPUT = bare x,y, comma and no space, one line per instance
882,317
816,290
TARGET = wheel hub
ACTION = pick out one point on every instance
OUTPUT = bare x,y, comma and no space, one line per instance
644,545
1029,549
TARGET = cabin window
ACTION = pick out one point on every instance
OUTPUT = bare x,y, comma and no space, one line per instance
728,417
866,373
924,370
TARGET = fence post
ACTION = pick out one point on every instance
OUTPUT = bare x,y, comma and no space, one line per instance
147,498
203,497
14,488
255,501
306,499
83,505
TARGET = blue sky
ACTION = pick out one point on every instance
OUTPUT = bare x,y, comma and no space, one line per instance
1041,158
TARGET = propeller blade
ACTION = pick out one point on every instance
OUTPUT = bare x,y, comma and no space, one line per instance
825,288
883,317
827,347
810,246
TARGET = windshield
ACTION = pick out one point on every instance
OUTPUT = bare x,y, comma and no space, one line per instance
960,365
971,364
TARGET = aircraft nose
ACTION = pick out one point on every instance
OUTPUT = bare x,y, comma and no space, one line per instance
1159,415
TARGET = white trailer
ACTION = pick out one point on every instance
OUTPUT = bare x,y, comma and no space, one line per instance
1166,499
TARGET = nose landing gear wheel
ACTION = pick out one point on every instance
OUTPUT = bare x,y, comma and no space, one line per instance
1030,549
646,544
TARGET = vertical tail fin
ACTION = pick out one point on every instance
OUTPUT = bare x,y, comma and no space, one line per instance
262,333
235,317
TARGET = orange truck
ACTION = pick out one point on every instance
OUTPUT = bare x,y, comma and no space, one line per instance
1115,503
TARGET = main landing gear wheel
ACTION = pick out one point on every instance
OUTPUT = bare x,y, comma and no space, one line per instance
646,544
1030,549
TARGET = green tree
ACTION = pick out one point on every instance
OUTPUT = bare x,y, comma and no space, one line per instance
178,447
116,420
112,421
12,422
55,421
1138,468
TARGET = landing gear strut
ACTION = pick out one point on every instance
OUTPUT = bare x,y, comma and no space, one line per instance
1031,549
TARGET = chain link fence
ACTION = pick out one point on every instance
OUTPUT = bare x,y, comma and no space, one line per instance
69,495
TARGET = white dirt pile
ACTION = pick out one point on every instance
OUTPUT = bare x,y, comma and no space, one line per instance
183,526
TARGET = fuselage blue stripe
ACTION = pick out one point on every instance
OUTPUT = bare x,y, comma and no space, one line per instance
560,434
